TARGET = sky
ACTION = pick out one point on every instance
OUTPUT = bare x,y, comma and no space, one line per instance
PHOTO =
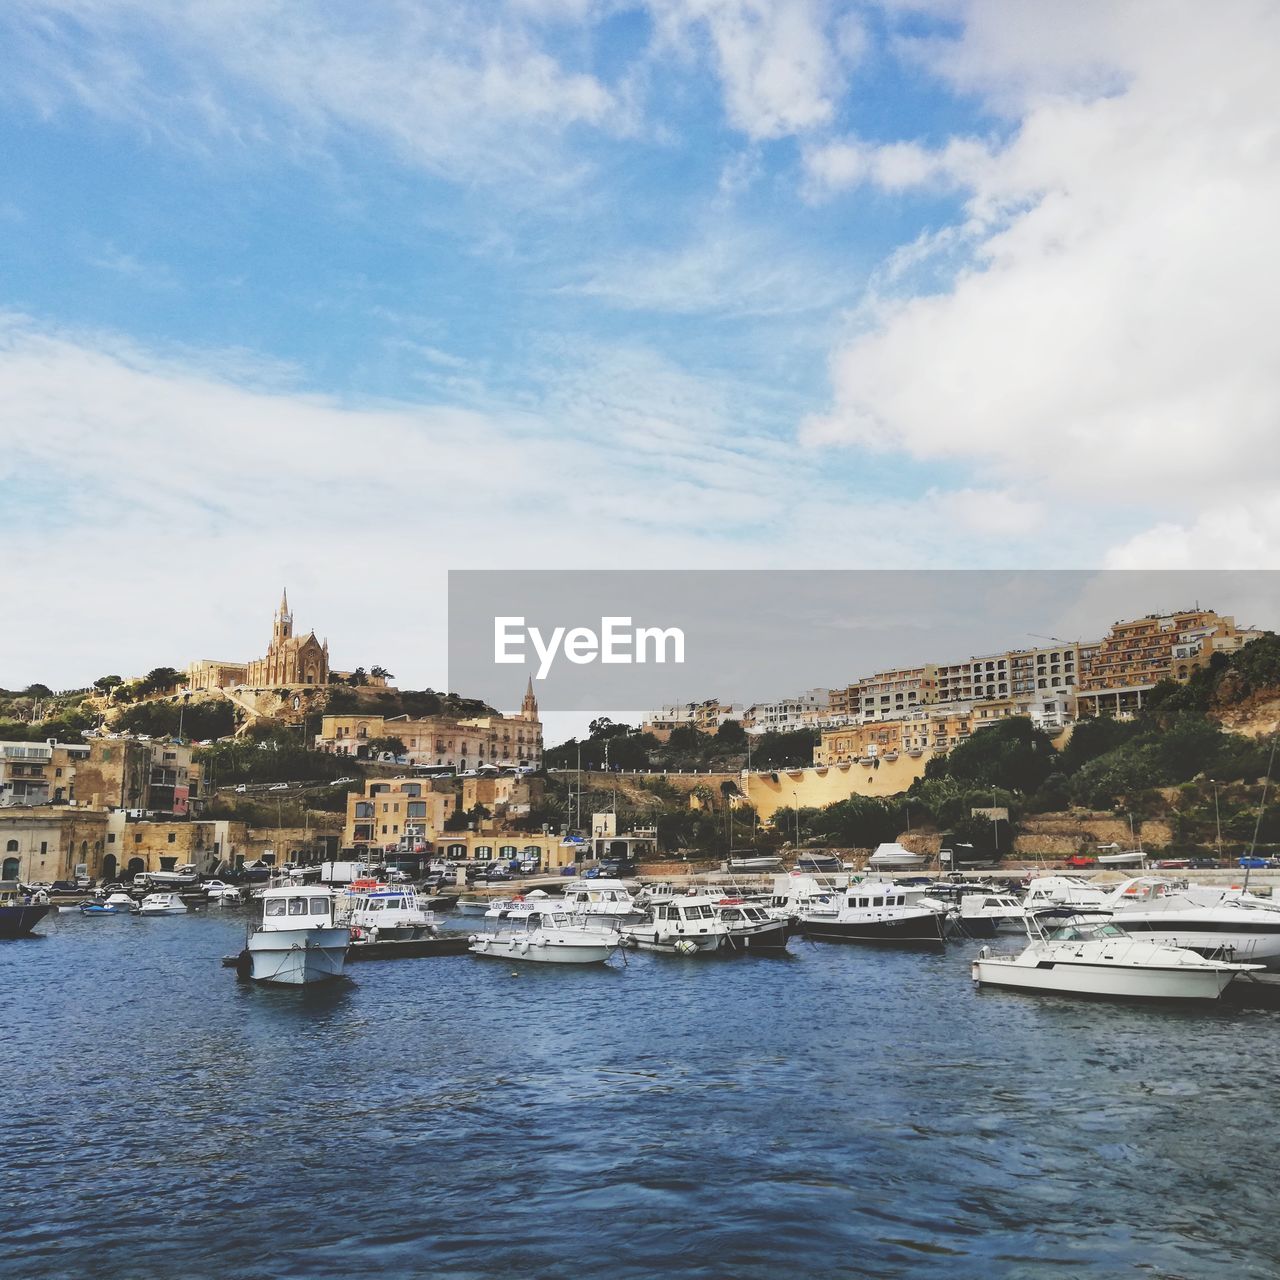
341,297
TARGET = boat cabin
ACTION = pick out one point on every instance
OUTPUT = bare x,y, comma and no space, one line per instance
1077,932
297,908
875,896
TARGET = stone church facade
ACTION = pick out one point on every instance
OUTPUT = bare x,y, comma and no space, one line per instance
290,660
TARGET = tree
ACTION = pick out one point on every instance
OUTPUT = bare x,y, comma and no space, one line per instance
37,691
104,684
393,746
381,673
731,736
1011,753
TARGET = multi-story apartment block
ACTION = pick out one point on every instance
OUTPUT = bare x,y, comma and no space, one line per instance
38,772
1136,655
395,812
890,695
706,716
138,773
803,711
845,705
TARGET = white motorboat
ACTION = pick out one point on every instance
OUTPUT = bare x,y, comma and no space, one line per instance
982,915
700,922
894,857
1098,958
552,937
754,865
297,941
179,878
1203,918
472,906
1046,893
600,900
875,911
1117,857
383,912
162,904
229,897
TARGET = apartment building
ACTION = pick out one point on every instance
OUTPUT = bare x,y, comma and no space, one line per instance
38,772
803,711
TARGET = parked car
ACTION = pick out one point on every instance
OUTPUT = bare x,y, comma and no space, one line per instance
498,872
241,789
1255,863
278,786
1081,860
1202,864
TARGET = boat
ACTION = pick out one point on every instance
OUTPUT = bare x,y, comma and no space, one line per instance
754,865
1203,918
180,878
700,922
1098,958
754,927
19,912
162,904
983,914
553,937
229,897
297,941
893,857
875,911
116,904
384,913
600,899
1121,857
472,906
821,863
1047,893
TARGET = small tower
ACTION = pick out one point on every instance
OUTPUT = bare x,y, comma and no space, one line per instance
283,628
529,707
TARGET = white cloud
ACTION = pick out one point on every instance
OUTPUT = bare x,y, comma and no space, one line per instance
473,99
1109,338
783,64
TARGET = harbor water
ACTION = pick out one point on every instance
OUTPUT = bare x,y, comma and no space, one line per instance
840,1112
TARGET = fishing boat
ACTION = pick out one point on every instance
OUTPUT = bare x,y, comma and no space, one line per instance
19,911
297,941
704,922
553,937
1098,958
877,911
162,904
384,913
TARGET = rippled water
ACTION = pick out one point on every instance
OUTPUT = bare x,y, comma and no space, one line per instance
842,1112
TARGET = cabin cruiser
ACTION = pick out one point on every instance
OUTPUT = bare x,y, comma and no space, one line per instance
548,937
893,857
820,863
179,878
19,912
982,915
1203,918
591,899
384,913
1098,958
875,911
115,904
297,941
162,904
1045,893
702,922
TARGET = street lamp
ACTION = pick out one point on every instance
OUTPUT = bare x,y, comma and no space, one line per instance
1217,817
796,796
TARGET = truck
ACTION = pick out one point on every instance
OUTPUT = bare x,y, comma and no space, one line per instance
343,872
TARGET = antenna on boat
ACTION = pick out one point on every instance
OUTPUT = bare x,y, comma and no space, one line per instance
1262,804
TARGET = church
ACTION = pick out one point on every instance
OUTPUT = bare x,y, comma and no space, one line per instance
290,660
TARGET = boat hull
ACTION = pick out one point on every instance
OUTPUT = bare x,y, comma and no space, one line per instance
542,951
297,957
1114,981
1242,947
773,937
917,929
17,922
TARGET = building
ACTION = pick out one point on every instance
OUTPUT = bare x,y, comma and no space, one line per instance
890,695
505,795
396,812
706,716
43,843
443,741
803,711
1137,654
138,774
290,660
845,705
931,729
38,772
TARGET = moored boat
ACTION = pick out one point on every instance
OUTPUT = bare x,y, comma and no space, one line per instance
877,911
552,937
19,912
162,904
1093,958
297,941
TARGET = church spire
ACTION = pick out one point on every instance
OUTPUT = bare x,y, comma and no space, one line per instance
529,707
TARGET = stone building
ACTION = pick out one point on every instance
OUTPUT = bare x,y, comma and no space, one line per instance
398,811
290,660
136,773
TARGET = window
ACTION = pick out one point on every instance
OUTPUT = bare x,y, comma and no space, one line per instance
275,906
137,839
319,906
173,837
297,906
11,847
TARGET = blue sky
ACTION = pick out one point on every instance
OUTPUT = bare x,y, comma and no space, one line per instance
345,296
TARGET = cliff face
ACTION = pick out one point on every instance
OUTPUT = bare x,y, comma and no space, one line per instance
1256,714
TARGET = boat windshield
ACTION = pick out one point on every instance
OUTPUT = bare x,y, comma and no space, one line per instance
1086,932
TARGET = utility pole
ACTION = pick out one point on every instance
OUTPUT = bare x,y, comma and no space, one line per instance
1217,817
